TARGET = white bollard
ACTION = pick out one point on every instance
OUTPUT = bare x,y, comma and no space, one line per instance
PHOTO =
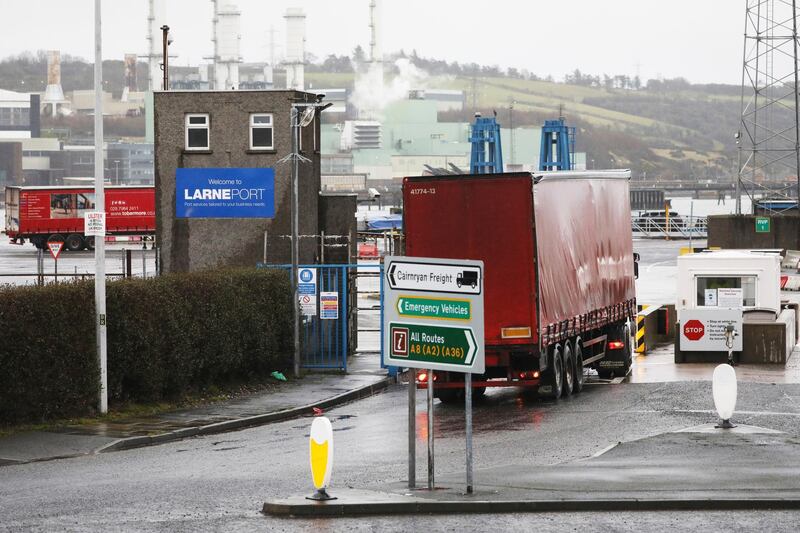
723,387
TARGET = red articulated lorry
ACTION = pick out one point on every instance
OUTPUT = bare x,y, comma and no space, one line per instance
42,214
559,271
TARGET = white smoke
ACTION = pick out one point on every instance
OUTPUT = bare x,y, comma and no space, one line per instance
372,93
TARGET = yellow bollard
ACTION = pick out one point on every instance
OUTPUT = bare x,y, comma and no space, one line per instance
321,457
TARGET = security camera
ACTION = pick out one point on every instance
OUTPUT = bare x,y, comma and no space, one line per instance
373,193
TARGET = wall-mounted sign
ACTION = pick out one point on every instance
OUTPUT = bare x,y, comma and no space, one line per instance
225,193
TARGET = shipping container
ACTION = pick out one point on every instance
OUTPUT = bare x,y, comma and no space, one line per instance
42,214
559,270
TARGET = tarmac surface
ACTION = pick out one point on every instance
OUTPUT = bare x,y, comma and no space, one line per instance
743,468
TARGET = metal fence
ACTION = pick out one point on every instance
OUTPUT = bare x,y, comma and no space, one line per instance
673,227
338,319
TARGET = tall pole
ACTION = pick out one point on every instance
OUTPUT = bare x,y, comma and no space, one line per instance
100,205
165,56
796,102
295,238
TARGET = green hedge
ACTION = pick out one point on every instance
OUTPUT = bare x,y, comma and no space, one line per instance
166,336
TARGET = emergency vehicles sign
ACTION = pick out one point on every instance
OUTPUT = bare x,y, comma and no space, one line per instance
433,314
704,329
225,193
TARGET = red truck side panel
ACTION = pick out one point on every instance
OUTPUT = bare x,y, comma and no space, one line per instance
480,217
60,210
583,228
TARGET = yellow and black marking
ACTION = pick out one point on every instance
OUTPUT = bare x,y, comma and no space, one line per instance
640,344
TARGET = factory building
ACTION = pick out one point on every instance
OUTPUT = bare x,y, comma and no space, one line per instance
19,115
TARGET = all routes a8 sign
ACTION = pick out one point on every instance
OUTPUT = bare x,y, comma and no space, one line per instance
433,314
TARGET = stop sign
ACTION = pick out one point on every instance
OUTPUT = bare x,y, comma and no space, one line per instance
694,330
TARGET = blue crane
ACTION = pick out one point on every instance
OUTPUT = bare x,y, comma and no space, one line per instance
558,146
487,154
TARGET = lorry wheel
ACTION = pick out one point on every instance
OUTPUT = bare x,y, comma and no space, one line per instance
89,243
74,242
569,371
55,237
553,376
578,355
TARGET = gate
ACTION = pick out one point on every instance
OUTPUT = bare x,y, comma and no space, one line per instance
330,328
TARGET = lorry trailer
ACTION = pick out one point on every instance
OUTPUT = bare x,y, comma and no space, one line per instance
559,271
47,214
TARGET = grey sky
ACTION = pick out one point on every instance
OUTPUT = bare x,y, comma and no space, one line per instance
698,39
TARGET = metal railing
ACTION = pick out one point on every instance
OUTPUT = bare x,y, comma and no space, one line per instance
674,227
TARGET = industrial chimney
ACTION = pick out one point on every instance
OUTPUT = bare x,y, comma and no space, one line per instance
53,93
130,83
157,17
227,43
295,48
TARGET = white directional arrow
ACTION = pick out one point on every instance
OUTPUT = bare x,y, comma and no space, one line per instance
473,348
400,306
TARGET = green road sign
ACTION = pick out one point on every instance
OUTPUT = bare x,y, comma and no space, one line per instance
436,308
762,225
434,345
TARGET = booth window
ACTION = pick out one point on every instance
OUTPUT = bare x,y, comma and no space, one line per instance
708,285
261,131
197,131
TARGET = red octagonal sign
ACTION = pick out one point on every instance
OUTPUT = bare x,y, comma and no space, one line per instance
694,330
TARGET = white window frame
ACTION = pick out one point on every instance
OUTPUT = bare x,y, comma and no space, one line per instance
188,126
253,125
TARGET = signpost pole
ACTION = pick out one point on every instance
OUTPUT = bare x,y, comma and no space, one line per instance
468,411
100,242
295,238
55,269
430,430
412,429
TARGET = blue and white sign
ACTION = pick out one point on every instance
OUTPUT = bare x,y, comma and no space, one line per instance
225,193
307,291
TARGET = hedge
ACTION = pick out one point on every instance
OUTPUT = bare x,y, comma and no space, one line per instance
166,336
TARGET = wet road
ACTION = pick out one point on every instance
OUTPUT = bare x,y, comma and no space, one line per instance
220,482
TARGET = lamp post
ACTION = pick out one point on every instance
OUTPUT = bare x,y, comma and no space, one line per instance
100,205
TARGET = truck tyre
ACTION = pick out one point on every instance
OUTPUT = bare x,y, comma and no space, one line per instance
578,356
569,370
74,242
89,243
55,237
553,376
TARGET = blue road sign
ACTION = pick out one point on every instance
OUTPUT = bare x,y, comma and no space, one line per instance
225,193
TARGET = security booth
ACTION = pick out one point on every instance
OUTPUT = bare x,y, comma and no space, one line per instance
718,288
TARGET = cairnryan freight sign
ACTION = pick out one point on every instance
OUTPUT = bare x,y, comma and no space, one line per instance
433,314
225,193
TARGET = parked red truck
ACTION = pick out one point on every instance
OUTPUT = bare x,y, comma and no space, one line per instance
559,270
42,214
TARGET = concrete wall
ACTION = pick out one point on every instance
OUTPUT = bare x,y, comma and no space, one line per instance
195,244
739,231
